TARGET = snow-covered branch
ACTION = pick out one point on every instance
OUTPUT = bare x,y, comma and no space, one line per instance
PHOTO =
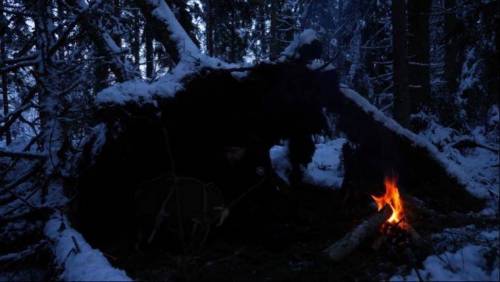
78,260
169,31
121,67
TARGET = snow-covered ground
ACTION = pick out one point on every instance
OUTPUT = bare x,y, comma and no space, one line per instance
324,170
481,164
469,253
476,258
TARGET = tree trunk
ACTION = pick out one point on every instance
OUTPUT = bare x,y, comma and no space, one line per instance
5,101
101,76
400,63
210,27
43,40
116,11
233,38
148,39
355,42
260,28
451,68
496,78
54,130
419,48
447,111
340,10
135,45
274,40
5,82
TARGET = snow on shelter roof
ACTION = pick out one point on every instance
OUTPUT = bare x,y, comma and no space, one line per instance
192,60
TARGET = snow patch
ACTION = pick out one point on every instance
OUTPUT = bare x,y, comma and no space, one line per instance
280,162
137,91
305,37
326,168
469,263
493,116
99,132
239,74
79,260
319,64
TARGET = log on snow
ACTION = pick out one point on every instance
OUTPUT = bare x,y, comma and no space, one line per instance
353,239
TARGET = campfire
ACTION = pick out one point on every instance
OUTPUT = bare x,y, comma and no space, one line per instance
392,199
390,220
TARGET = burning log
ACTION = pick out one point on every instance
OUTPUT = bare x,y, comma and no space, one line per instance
393,199
390,219
353,239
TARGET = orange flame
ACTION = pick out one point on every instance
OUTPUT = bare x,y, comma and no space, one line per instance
391,198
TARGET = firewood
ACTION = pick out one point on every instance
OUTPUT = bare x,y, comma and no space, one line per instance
353,239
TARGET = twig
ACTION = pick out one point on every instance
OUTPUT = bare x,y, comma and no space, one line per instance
160,216
77,247
21,179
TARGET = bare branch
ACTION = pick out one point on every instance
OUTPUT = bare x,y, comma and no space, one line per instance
24,155
28,252
106,46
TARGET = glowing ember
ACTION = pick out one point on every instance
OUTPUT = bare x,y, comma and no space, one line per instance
391,198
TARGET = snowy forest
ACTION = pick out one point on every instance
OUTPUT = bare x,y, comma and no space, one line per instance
249,140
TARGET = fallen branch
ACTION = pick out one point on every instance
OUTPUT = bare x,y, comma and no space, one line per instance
168,30
471,143
19,256
438,218
20,180
23,155
353,239
40,213
16,66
